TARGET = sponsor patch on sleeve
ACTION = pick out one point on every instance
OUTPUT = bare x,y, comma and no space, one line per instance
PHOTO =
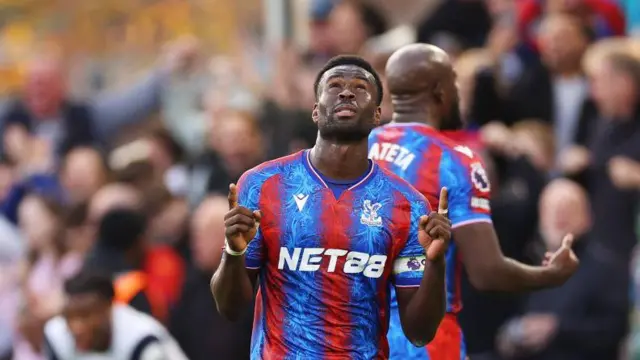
480,203
409,264
479,178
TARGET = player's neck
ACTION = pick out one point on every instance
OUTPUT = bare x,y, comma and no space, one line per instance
340,161
415,117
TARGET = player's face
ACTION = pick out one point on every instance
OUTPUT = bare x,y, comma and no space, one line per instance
451,119
88,317
347,109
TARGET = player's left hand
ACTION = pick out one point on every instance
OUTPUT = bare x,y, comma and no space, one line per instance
563,263
435,230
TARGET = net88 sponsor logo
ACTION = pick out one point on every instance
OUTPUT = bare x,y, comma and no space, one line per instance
311,259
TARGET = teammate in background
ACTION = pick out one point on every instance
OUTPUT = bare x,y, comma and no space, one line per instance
90,327
423,90
335,230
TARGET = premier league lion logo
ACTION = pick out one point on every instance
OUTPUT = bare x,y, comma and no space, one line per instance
413,264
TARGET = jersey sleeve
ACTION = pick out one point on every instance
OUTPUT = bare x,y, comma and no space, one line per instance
408,266
249,192
469,188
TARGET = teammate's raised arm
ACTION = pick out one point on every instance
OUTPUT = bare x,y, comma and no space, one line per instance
422,308
490,270
422,82
232,284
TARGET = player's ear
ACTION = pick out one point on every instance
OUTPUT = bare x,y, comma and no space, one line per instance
377,116
439,93
314,113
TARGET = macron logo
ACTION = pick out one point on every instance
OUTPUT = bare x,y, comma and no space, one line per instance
300,199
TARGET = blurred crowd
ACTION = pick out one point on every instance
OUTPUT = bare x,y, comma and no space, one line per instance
134,181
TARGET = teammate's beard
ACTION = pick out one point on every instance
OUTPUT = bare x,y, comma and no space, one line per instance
453,121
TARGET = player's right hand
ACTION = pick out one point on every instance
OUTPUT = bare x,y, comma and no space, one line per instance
563,263
241,224
435,230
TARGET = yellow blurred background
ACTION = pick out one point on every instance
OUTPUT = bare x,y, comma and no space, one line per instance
106,29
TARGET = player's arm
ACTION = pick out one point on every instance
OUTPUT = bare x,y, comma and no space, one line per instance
473,232
421,294
233,283
489,270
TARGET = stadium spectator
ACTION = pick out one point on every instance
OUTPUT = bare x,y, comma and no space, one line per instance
33,169
109,197
91,325
351,23
561,89
168,216
11,253
145,277
77,232
235,145
48,265
119,251
615,84
568,322
45,109
83,172
602,17
199,329
168,159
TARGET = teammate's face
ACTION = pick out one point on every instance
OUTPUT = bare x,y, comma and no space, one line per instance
347,109
88,317
451,118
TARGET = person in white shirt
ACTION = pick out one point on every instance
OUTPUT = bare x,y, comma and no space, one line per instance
91,327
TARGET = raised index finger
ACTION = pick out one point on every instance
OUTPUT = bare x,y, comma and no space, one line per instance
443,202
233,196
567,241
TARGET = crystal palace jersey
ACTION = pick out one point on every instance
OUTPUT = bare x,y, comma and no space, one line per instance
326,263
429,161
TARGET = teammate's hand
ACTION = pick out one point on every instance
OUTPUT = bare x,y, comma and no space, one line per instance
563,263
435,230
241,224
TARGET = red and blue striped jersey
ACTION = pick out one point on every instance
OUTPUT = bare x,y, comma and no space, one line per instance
429,160
326,263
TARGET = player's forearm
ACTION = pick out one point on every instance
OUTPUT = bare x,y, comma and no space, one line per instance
510,275
231,286
427,306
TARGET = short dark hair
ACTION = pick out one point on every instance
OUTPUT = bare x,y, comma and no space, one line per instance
350,60
121,229
89,281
